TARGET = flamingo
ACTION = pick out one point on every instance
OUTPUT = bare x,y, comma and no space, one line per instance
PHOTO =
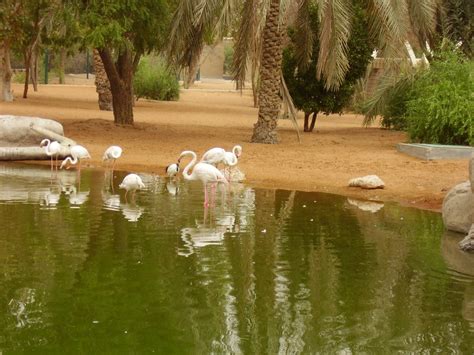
52,149
232,158
112,153
172,170
78,152
213,156
131,182
204,172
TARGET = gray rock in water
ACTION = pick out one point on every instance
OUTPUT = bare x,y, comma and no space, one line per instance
15,131
367,182
458,208
467,244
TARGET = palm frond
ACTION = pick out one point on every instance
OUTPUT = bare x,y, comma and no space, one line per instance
304,35
289,102
394,80
423,18
334,34
388,24
246,40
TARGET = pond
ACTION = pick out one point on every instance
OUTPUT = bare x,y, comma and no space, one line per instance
261,271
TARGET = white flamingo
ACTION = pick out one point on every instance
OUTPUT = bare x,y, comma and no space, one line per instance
78,152
52,150
213,156
204,172
112,154
231,159
172,170
131,182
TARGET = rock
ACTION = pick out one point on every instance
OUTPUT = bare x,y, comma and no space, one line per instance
458,208
368,182
467,244
15,131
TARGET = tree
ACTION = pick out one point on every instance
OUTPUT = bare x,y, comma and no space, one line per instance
63,35
122,31
32,16
268,97
390,23
9,26
309,93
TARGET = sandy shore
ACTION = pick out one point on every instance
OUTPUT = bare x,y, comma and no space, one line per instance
212,114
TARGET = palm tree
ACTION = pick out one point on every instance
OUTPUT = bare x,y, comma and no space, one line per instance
390,23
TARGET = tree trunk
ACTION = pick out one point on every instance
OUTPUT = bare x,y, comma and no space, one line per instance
7,94
27,58
270,67
62,65
120,74
191,74
102,84
313,121
254,77
35,69
306,119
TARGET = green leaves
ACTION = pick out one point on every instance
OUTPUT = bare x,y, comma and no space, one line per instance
441,109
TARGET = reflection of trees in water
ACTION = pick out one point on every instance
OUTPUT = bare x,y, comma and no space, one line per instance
319,277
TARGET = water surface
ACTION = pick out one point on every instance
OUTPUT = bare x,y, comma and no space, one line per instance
261,271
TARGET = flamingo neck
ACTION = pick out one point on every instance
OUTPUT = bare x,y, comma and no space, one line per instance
45,143
237,150
186,174
72,160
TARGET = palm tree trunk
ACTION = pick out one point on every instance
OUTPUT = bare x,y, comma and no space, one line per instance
102,84
270,67
7,72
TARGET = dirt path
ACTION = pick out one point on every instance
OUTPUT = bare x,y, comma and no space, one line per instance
212,115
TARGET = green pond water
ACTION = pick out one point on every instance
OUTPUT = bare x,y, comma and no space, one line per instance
261,272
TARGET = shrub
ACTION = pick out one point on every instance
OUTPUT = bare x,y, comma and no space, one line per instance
153,80
442,107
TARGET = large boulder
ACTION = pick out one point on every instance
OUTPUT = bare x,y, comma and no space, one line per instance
458,208
15,131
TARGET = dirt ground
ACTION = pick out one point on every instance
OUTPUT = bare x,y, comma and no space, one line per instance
213,115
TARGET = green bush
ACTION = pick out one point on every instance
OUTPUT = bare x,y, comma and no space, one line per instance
442,105
153,80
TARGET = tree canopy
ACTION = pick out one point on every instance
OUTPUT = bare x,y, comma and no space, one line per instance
309,93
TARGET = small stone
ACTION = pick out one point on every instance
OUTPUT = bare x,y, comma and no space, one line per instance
264,231
367,182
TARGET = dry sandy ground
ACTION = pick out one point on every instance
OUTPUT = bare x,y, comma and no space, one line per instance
211,115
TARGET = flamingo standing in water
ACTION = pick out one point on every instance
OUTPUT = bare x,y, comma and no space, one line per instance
231,159
204,172
78,152
172,170
112,154
52,149
131,182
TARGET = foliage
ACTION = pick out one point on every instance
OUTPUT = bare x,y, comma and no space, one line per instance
228,58
310,94
154,80
442,106
456,23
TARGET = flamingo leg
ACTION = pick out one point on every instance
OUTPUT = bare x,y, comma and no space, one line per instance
213,193
206,200
126,192
113,166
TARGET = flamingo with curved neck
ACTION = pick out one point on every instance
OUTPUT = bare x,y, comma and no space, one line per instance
51,149
204,172
237,150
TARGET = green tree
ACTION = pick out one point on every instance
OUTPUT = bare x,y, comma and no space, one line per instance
123,31
309,93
